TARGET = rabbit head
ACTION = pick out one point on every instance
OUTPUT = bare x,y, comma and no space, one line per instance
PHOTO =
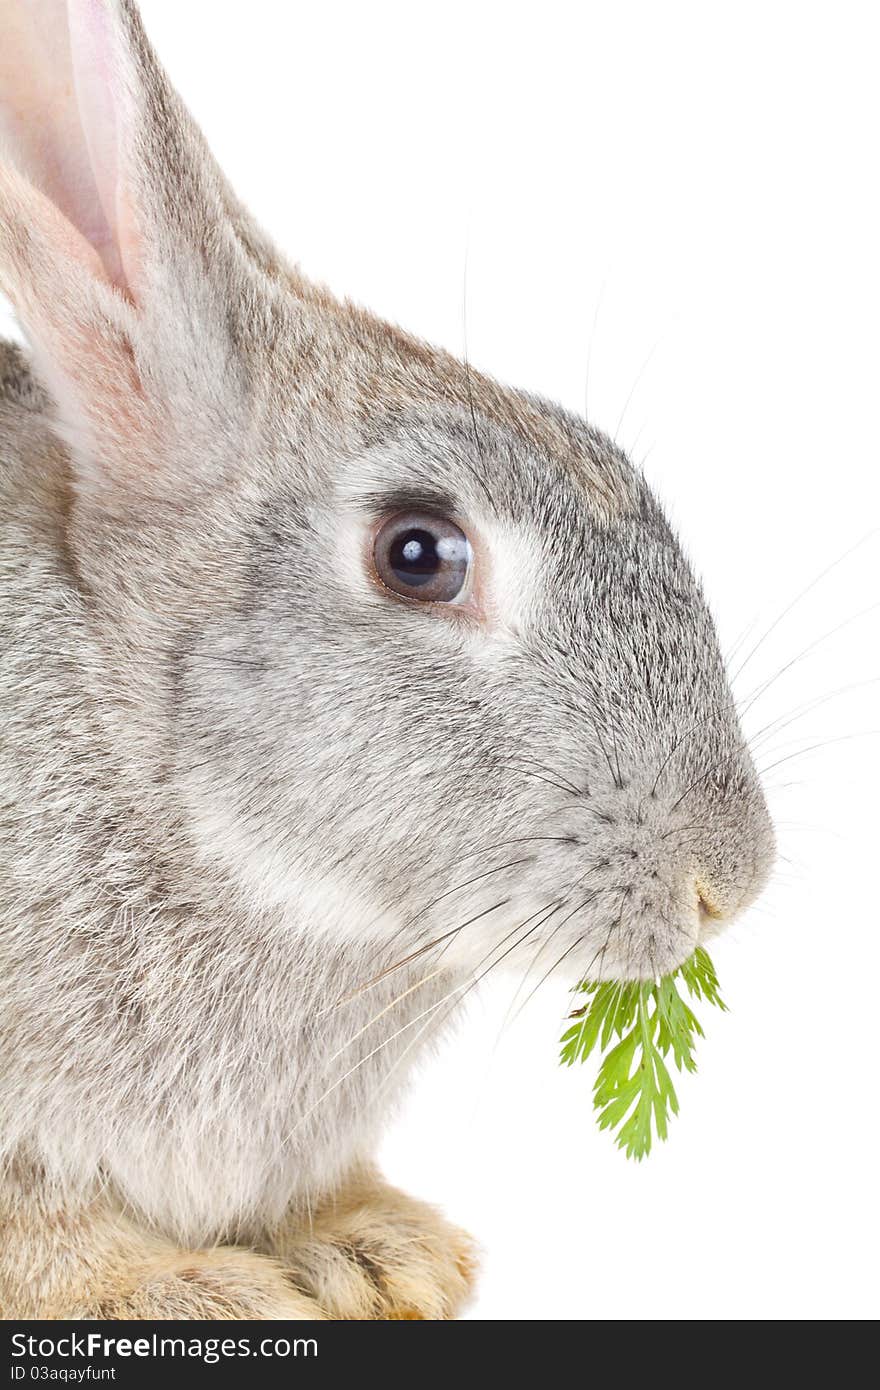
412,656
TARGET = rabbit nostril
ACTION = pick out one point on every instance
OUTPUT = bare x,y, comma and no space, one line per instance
707,907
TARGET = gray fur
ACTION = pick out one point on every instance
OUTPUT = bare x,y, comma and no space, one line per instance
237,782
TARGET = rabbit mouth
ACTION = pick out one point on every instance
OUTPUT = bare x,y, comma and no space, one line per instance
629,898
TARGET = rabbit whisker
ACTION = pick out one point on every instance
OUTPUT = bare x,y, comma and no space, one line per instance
563,782
762,689
407,960
508,1021
783,721
710,718
628,402
472,984
487,873
527,772
453,994
799,597
382,1012
799,753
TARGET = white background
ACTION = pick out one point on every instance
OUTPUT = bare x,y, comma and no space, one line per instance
685,198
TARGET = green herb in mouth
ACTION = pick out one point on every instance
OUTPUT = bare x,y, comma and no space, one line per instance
633,1092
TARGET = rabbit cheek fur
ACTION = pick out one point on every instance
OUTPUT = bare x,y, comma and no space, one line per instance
261,823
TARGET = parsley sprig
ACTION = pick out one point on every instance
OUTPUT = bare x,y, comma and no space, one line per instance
633,1091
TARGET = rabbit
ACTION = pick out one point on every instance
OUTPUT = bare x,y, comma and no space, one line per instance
333,675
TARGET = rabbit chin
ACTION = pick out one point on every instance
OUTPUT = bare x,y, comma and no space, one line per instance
540,942
646,957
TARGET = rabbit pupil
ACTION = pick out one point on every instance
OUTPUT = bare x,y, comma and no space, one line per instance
415,556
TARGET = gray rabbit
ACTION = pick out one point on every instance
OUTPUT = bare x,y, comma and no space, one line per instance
333,674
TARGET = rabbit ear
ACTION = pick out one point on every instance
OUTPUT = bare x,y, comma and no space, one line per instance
121,248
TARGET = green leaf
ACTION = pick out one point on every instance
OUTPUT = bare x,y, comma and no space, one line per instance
633,1092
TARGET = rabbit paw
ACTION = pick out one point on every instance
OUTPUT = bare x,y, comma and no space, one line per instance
371,1252
222,1284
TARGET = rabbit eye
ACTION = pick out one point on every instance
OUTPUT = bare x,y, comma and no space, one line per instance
422,557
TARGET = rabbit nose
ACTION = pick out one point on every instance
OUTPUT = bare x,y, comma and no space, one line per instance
708,907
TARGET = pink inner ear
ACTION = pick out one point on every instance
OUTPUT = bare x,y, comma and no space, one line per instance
62,98
96,57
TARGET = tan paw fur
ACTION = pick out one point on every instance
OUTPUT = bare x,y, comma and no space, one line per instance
57,1263
371,1252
